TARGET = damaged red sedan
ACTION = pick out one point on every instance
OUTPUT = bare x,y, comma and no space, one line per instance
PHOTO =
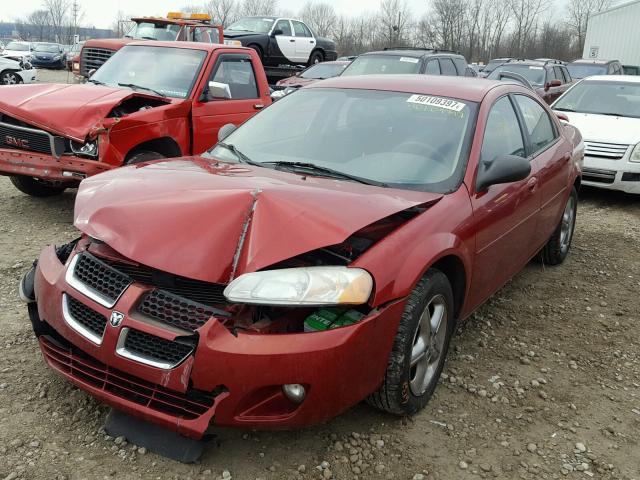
289,273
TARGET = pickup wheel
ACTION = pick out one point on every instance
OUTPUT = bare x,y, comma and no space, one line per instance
557,248
10,78
144,156
316,57
37,187
420,347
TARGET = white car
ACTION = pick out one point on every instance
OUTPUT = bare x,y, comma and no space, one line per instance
606,110
13,71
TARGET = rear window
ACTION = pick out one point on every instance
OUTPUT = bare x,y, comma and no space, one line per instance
382,64
582,71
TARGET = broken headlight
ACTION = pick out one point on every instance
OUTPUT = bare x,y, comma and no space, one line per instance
89,149
302,286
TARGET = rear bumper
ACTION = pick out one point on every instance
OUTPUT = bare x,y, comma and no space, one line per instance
620,175
67,168
243,373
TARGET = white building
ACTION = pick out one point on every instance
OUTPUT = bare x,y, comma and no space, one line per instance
614,34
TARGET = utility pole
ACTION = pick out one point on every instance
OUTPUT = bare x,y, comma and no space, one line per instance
76,13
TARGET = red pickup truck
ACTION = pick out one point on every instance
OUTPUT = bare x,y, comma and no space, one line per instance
150,100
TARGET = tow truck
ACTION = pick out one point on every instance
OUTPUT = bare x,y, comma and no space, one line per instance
176,26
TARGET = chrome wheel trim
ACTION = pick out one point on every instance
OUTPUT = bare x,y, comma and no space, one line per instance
9,79
568,220
428,345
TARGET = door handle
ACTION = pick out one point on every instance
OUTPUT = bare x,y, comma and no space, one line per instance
258,106
312,41
292,40
566,157
532,184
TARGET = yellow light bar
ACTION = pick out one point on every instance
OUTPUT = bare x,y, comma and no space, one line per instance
186,16
175,15
201,16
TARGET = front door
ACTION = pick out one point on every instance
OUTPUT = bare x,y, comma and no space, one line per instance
505,215
285,44
209,114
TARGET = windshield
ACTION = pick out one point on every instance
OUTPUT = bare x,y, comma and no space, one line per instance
415,142
154,31
19,47
609,98
533,73
321,71
50,48
382,64
252,24
147,68
582,71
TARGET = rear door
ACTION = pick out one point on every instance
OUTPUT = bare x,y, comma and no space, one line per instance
238,71
506,215
305,43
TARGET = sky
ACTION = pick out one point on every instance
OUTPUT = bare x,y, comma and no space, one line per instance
101,13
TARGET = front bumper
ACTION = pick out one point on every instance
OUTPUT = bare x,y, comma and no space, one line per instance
242,374
621,174
28,76
67,168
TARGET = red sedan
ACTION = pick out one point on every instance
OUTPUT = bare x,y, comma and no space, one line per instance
295,270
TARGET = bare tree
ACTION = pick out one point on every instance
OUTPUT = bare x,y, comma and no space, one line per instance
320,16
122,24
578,13
526,15
223,12
38,20
58,11
394,18
258,7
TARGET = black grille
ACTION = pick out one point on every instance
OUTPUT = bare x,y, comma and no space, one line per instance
15,138
597,175
100,277
194,290
87,317
176,311
156,348
93,58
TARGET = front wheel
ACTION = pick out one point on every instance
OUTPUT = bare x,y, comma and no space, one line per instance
419,349
557,248
37,187
10,78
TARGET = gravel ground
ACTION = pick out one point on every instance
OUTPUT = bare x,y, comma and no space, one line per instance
542,382
54,76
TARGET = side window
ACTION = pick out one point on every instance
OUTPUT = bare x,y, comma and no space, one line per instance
285,26
559,76
447,67
502,135
537,123
237,72
300,29
432,67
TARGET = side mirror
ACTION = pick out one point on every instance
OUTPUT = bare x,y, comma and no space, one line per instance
225,131
277,32
91,72
505,169
552,83
219,90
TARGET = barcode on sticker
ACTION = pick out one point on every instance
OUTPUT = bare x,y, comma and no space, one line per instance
436,102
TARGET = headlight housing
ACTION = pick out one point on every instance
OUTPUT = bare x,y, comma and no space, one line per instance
635,154
307,286
89,149
57,57
236,43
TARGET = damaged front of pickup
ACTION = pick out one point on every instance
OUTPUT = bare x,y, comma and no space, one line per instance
205,293
52,135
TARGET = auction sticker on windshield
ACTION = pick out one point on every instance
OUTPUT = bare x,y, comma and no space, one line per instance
439,102
409,59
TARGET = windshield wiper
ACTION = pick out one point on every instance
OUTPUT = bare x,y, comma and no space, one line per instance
326,171
241,156
148,38
133,86
97,82
561,109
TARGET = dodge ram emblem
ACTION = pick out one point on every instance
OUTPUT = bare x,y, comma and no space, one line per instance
116,318
17,142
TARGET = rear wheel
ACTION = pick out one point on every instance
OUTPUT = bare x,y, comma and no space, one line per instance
557,248
144,156
37,187
10,78
419,349
316,57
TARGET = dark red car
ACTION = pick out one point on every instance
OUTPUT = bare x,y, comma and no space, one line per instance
290,273
315,73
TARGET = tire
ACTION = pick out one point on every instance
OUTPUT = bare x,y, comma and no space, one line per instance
557,248
36,187
403,390
144,156
10,78
316,57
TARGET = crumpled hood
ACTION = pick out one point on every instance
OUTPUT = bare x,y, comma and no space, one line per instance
68,110
296,82
606,128
214,221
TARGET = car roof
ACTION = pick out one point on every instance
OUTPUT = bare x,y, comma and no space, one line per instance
589,61
614,78
187,45
464,88
411,52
